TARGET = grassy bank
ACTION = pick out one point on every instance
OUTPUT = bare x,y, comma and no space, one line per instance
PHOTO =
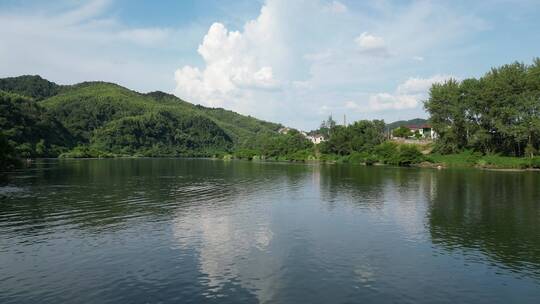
406,155
471,159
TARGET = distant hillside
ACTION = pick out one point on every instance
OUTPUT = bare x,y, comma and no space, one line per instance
106,117
412,122
30,86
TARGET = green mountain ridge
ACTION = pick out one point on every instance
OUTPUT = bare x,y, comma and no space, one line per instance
107,117
410,122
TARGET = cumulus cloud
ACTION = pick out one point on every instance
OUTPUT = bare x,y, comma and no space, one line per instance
371,44
232,63
293,62
407,95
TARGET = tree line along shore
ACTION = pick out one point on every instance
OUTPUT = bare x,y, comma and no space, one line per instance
491,122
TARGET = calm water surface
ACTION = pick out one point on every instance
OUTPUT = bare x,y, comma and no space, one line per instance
203,231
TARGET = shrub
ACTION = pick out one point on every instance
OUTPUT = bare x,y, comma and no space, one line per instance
245,154
535,162
408,155
386,152
86,152
495,160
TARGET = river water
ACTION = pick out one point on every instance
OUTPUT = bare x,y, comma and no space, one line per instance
207,231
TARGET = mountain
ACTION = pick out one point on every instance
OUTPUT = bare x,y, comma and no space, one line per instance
411,122
30,86
42,118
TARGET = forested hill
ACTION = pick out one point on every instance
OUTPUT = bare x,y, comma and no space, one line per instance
401,123
39,118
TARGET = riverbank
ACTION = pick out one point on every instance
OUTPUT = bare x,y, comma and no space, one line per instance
437,161
477,160
465,159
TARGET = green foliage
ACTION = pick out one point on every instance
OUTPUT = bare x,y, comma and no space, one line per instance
399,155
411,122
361,158
534,163
469,158
498,113
530,151
361,136
327,127
30,129
285,145
107,118
498,161
31,86
162,134
8,158
86,152
386,152
466,158
402,132
244,153
408,155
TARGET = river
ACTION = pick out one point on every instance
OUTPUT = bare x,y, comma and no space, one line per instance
209,231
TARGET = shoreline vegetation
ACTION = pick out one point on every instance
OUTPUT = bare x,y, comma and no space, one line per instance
492,122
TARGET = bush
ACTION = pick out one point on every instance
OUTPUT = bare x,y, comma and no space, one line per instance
8,158
535,162
386,152
86,152
370,160
248,154
466,158
495,160
408,155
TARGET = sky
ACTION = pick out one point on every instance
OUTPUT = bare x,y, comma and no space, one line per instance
289,61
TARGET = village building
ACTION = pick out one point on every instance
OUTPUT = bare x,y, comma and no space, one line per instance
426,131
284,130
316,139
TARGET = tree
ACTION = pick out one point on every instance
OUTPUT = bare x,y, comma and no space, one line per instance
327,127
498,113
8,157
402,132
361,136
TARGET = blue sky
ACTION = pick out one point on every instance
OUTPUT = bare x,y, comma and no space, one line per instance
289,61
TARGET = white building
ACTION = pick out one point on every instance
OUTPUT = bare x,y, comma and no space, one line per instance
426,131
316,139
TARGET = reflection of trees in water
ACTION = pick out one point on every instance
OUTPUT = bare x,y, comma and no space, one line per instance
396,195
218,210
101,195
497,213
372,187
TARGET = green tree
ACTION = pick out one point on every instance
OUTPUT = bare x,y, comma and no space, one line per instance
498,113
402,132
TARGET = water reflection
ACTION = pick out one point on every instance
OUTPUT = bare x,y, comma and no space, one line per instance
203,231
497,213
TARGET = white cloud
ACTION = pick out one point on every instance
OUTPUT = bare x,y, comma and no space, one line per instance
387,101
296,55
83,42
371,44
232,64
408,95
293,62
420,85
